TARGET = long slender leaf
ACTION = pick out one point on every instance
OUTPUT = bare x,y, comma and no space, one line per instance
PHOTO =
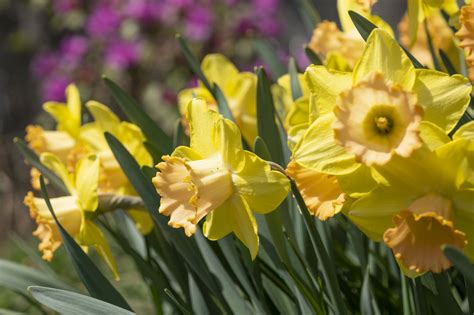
137,115
447,63
294,82
431,47
312,56
268,53
94,281
368,304
66,302
18,278
444,302
365,27
222,104
34,160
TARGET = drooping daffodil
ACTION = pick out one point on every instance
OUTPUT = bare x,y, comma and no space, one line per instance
239,89
421,203
75,212
217,180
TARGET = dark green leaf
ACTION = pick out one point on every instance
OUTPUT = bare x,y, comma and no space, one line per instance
193,62
368,304
269,54
222,104
294,82
34,160
266,119
154,151
176,302
461,262
307,7
18,278
179,136
66,302
365,27
312,56
137,115
447,63
444,302
431,48
95,282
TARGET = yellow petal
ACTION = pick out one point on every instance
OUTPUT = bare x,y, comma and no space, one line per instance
465,131
241,220
444,98
87,181
262,188
464,217
52,162
326,85
432,135
415,16
317,150
93,135
357,183
383,54
226,137
218,69
62,115
202,122
74,102
91,235
104,117
142,219
187,95
132,138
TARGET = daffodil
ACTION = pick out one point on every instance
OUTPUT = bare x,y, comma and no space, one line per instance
217,180
374,113
112,179
239,88
421,203
342,48
74,212
419,10
466,35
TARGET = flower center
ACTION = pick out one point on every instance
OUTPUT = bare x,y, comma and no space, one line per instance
384,124
189,190
421,230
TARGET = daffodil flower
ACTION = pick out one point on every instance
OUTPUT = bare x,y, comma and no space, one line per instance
74,212
216,179
239,88
466,35
421,203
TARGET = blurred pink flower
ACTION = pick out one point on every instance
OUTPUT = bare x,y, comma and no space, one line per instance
121,54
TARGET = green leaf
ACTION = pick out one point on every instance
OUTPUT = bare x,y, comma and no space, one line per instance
179,136
365,27
444,302
222,104
461,262
66,302
34,160
294,82
94,281
176,302
307,7
197,299
137,115
18,278
447,63
185,246
312,56
154,151
266,120
327,267
368,304
431,48
193,62
269,54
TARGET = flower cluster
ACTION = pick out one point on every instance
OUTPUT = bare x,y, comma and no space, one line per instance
371,137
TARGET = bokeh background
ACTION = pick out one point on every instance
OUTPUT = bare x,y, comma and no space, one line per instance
45,44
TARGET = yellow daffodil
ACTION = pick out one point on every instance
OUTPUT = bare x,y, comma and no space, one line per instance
74,212
216,179
421,203
112,179
419,10
374,113
239,88
466,35
342,49
283,94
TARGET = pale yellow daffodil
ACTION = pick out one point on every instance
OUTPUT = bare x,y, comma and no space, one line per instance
421,203
74,212
466,35
216,179
239,89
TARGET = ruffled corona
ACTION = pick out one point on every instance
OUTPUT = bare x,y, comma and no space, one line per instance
321,192
420,232
190,190
57,142
466,35
68,214
376,119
